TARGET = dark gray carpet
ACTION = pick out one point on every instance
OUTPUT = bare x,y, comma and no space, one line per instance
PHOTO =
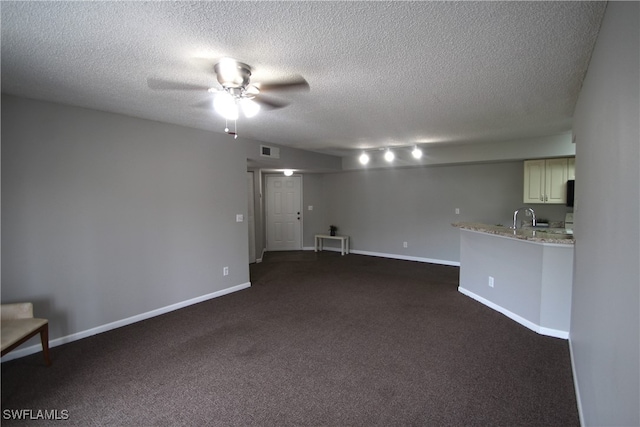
319,339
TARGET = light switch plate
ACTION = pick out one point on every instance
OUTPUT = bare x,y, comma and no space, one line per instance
239,218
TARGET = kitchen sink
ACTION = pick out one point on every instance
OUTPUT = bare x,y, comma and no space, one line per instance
551,230
553,234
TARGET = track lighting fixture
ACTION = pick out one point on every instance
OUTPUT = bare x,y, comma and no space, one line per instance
364,158
390,155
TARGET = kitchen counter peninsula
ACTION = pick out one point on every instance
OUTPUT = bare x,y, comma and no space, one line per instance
539,235
525,274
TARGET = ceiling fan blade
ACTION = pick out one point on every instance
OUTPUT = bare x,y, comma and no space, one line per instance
207,105
297,83
269,103
160,84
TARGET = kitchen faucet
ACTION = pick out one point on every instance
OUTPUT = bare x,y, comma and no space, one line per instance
515,217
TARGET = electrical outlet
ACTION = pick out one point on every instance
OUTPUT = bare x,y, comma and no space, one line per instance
491,281
225,271
457,211
405,244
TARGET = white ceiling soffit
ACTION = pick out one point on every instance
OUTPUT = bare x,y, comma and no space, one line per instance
380,73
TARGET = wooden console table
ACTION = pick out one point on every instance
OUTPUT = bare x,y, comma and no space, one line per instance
344,242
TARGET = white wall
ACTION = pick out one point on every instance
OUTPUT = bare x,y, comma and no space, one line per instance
605,320
380,209
108,218
105,217
315,221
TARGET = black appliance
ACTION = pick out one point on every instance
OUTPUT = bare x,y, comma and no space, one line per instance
571,185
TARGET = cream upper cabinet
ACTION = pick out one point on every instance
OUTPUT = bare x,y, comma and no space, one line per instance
545,181
571,172
534,171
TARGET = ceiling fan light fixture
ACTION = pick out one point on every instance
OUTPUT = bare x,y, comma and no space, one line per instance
249,107
225,105
237,94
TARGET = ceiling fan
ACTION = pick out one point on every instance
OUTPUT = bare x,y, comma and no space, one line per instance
237,92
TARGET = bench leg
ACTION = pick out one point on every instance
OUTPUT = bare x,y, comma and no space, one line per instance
44,338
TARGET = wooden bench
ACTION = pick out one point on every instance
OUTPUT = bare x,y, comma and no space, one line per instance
344,242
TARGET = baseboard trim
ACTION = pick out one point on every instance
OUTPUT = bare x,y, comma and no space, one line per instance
264,250
556,333
392,256
385,255
406,257
124,322
576,387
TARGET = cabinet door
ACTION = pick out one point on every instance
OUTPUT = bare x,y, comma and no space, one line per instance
556,181
534,177
571,168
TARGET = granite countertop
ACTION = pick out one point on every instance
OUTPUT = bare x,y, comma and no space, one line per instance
539,235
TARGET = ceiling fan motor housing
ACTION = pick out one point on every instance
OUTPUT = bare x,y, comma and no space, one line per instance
232,74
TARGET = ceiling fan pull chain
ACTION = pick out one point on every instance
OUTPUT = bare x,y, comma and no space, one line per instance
235,129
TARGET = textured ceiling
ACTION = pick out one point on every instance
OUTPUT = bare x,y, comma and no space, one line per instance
381,73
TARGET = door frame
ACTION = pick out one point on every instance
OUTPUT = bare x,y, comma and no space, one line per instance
251,219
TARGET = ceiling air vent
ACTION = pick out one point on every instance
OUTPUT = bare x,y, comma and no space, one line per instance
271,152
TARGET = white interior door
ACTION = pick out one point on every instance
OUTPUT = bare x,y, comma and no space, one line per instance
283,212
251,218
